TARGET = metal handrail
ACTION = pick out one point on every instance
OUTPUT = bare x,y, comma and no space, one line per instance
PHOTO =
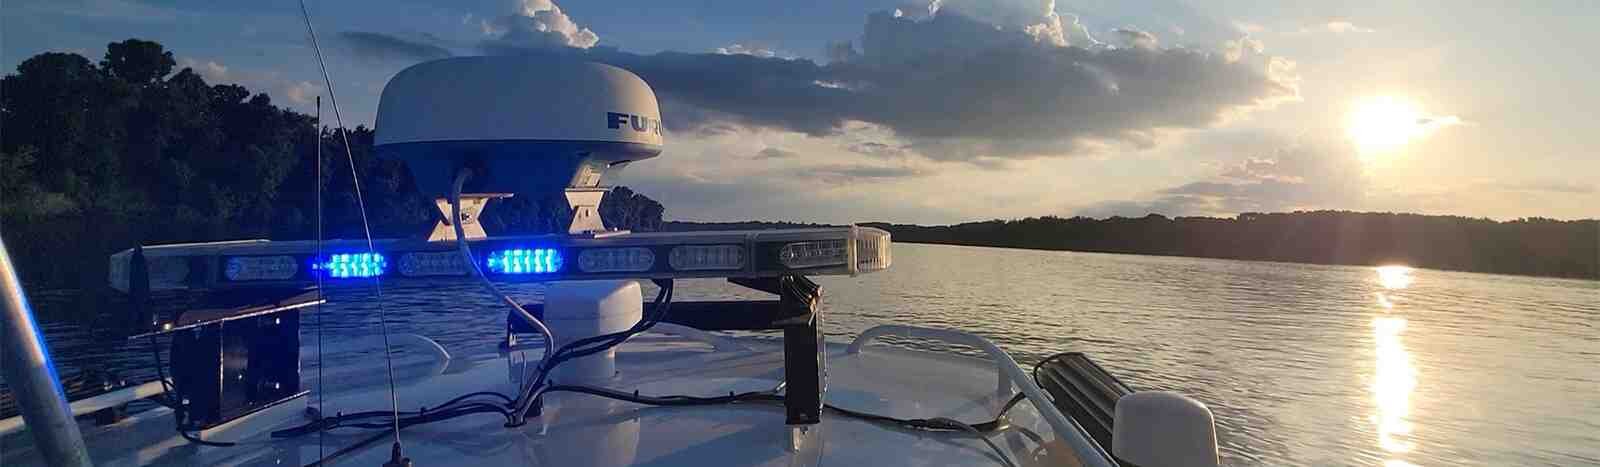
25,362
1091,453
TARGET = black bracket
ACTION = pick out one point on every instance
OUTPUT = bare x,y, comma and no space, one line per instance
796,313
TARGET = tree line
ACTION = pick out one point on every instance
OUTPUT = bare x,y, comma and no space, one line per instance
1528,246
96,157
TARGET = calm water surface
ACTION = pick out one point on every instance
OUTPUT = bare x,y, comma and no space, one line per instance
1303,365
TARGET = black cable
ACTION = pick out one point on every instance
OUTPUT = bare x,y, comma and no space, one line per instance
347,449
939,424
601,343
450,409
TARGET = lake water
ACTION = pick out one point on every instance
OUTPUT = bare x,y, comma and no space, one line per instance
1302,364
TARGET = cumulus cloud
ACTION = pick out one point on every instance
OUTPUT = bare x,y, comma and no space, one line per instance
969,81
536,24
1238,49
378,46
955,88
302,92
298,93
213,72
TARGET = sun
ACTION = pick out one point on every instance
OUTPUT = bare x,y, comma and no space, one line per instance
1384,124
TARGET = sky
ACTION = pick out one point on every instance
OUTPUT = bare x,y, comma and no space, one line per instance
948,111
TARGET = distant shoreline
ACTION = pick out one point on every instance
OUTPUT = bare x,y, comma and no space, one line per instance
1158,255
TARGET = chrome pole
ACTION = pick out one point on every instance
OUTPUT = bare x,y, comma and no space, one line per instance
31,375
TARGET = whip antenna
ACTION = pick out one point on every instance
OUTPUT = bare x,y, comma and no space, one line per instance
366,228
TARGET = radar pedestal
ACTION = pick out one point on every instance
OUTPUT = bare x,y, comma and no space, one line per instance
585,203
472,206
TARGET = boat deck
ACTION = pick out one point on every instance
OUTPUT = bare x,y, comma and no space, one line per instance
584,430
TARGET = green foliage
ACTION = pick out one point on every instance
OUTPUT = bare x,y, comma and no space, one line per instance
98,158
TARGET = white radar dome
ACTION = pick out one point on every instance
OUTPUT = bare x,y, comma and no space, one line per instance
521,123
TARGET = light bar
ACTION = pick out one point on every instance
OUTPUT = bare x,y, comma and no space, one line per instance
629,259
353,265
432,263
525,261
261,268
556,257
801,255
706,257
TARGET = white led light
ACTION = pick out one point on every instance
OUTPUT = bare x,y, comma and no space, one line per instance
434,263
630,259
261,268
814,254
706,257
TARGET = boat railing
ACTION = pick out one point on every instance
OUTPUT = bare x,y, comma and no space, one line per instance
1089,452
94,404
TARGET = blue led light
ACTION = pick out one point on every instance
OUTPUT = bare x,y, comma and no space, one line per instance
525,261
348,265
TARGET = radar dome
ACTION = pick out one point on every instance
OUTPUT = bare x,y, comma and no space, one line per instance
522,123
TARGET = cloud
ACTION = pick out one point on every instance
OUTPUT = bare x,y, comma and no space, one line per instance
967,82
842,51
537,24
954,88
213,72
1238,49
302,92
1436,122
1344,27
741,49
1292,178
378,46
1137,38
775,153
1333,27
849,173
297,93
1248,28
877,149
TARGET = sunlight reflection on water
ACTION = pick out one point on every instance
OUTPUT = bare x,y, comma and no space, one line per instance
1395,378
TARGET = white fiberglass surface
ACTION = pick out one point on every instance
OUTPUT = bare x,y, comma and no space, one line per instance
583,430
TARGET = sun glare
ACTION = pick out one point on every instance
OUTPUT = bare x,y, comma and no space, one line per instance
1384,124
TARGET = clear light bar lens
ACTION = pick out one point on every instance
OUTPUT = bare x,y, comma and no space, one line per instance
872,250
706,257
631,259
433,263
814,254
261,268
525,261
350,265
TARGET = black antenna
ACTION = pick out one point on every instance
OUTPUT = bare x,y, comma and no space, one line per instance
397,458
317,174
